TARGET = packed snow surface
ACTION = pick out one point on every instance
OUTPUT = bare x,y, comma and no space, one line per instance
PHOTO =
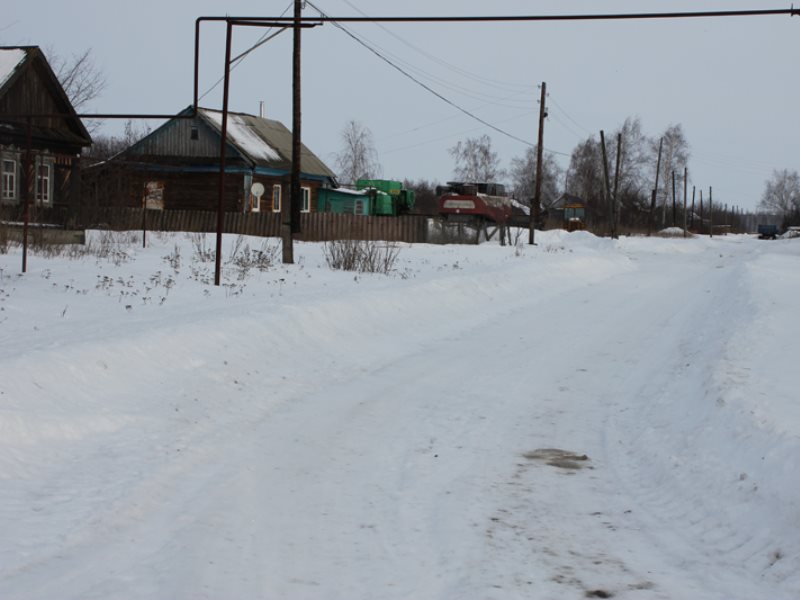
580,418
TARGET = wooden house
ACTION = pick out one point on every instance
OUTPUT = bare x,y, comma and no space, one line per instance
28,86
176,167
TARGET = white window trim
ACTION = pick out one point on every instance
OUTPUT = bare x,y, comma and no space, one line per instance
276,187
12,176
47,198
303,207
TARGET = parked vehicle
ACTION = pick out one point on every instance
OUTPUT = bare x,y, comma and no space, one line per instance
475,202
391,198
574,217
372,197
767,232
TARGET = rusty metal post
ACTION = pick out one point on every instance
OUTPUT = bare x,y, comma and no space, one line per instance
27,195
144,217
196,64
222,148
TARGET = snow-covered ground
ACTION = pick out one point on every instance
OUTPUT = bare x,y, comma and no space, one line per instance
582,418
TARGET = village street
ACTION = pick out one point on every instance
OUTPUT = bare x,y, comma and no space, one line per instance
575,421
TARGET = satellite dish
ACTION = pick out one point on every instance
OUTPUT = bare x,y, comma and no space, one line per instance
257,189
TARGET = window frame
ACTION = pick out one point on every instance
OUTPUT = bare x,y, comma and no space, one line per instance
47,196
305,205
277,187
9,193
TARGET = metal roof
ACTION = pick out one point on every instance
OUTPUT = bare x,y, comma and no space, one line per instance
265,142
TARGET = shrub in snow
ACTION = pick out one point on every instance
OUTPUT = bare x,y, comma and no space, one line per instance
243,258
361,256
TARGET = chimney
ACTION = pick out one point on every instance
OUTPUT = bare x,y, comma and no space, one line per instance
261,109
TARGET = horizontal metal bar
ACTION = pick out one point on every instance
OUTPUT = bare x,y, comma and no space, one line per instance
247,23
93,116
520,18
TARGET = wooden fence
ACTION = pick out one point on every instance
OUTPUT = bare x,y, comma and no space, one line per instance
315,227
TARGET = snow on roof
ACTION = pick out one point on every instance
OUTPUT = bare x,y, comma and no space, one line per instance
244,136
10,59
343,190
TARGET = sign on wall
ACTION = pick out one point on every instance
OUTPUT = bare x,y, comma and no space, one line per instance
154,195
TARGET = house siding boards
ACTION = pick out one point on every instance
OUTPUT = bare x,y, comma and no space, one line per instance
181,159
56,141
175,140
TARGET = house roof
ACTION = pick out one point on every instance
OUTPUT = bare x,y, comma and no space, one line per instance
265,142
15,61
565,199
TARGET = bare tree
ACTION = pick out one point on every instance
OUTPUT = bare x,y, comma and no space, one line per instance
358,158
523,177
585,173
675,157
80,77
782,194
106,146
476,161
633,183
426,201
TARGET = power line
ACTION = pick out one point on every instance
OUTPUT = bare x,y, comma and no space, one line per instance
532,18
235,62
420,83
469,92
494,83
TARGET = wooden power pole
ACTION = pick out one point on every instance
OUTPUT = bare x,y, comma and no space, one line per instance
615,205
606,184
655,189
710,214
685,196
290,215
537,196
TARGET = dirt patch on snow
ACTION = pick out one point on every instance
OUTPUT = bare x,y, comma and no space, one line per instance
561,459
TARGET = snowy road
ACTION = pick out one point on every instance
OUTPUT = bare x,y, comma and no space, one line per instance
557,425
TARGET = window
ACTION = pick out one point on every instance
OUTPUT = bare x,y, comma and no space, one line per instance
43,183
9,179
194,134
276,198
306,206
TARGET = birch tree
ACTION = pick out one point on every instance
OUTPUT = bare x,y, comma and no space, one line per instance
476,161
358,158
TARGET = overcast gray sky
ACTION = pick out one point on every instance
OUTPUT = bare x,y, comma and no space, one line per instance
731,83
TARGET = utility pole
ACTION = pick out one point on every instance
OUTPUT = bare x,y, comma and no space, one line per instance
710,214
290,215
685,198
694,190
701,212
655,189
674,215
615,206
606,184
537,196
